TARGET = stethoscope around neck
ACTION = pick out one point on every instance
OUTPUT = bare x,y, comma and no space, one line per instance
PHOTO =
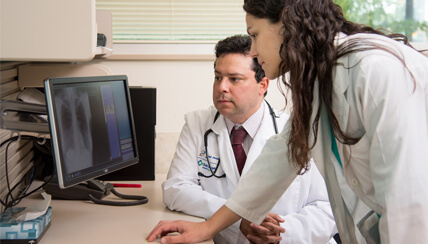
213,172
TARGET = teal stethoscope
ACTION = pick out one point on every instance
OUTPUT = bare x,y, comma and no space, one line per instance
213,172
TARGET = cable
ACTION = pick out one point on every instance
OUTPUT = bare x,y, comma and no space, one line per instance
18,199
14,138
7,176
30,175
138,199
31,181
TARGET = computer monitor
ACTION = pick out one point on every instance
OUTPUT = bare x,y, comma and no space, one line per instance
91,126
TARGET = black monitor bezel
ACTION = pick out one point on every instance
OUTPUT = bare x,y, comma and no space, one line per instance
49,85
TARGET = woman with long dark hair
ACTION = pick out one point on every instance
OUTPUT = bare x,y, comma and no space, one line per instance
359,109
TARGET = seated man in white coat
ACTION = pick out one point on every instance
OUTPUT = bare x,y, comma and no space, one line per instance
204,171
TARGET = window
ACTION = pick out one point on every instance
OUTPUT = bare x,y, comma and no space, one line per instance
408,17
174,20
139,21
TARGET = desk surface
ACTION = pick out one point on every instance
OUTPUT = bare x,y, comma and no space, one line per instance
85,222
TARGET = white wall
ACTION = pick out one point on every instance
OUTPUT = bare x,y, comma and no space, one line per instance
182,86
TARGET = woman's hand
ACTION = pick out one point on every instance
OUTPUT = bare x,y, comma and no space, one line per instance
189,232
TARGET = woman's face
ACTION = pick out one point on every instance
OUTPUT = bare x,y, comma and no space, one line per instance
266,42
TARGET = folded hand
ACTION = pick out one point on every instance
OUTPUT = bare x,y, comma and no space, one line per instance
267,232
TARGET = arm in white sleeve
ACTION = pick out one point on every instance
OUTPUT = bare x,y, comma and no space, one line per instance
266,184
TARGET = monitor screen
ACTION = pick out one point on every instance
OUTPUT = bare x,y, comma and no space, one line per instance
91,125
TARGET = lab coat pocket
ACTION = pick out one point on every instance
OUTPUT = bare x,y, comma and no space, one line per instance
208,169
369,227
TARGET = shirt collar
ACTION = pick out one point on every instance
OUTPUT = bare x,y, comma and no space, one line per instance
251,125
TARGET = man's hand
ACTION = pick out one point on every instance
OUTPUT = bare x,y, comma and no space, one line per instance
267,232
189,232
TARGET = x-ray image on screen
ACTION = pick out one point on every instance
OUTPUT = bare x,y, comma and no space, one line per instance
74,112
91,126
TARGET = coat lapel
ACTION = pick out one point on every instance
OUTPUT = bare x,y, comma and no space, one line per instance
228,162
323,154
266,130
344,221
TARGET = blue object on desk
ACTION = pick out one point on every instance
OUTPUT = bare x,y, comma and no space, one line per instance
31,231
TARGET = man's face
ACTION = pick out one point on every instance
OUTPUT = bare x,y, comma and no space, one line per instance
236,93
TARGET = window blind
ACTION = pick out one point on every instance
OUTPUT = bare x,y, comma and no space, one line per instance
174,20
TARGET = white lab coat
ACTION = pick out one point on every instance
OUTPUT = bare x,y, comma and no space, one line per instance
374,97
305,207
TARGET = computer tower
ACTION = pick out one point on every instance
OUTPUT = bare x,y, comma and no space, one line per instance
144,111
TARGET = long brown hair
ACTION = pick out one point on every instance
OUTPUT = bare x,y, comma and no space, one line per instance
308,54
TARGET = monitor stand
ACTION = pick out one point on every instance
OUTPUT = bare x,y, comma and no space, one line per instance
93,190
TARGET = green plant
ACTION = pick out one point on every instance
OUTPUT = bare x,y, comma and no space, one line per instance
389,15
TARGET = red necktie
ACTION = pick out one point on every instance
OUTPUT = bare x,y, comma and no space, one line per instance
238,137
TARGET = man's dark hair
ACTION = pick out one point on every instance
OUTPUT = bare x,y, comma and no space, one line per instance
238,44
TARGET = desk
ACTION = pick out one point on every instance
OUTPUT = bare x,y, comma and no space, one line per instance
85,222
